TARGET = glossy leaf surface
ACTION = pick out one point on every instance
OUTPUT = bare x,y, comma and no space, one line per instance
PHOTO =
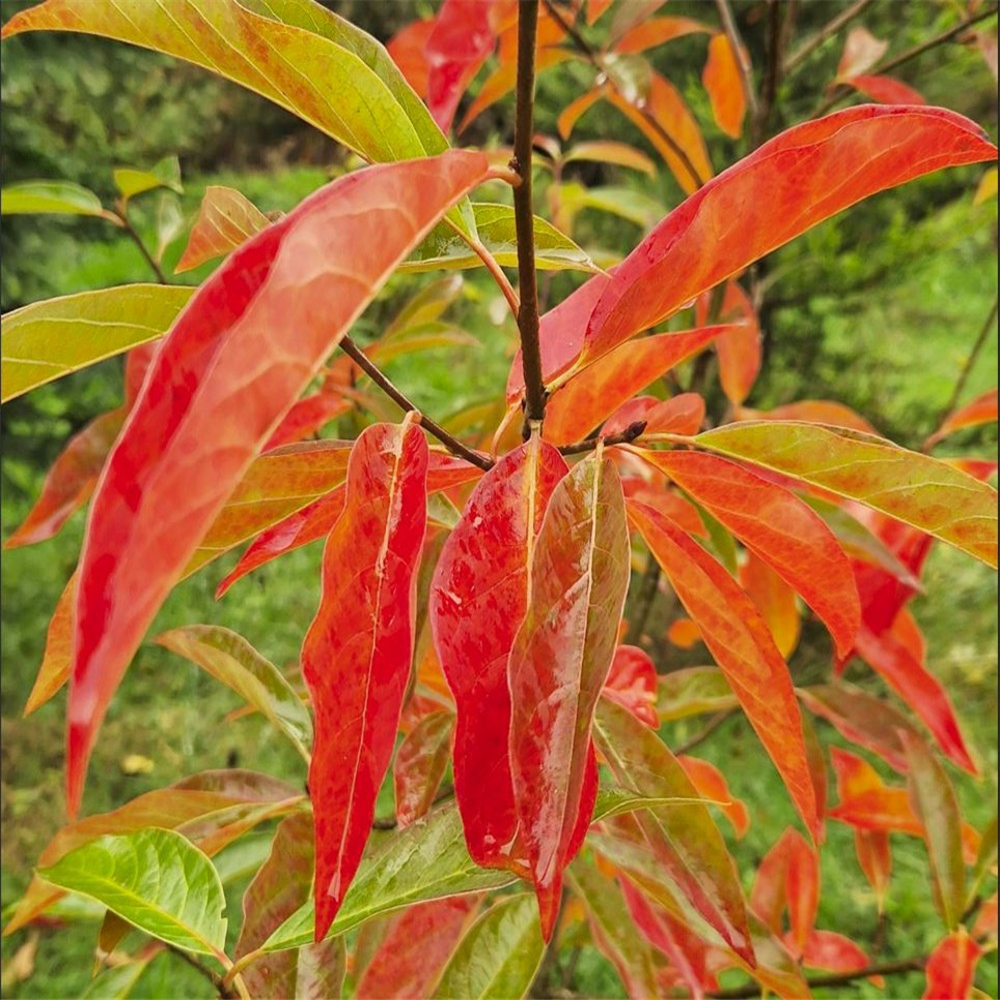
166,479
226,219
294,54
229,658
425,861
421,761
49,339
479,597
498,957
913,488
356,655
558,665
681,839
742,645
778,528
281,885
154,879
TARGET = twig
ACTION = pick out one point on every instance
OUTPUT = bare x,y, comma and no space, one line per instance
133,235
213,977
918,50
830,28
550,957
742,59
432,427
524,129
627,436
592,57
970,361
779,17
835,979
490,263
703,734
648,588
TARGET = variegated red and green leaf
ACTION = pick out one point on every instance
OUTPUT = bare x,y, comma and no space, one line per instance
421,761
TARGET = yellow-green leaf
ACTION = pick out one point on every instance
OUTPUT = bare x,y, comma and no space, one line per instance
50,198
166,173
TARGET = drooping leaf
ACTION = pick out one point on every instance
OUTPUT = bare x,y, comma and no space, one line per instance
356,655
886,90
866,802
478,600
425,861
681,839
226,219
300,55
558,664
170,223
46,340
936,805
498,957
612,929
726,225
577,108
229,658
740,351
913,488
154,879
586,400
657,31
281,885
712,785
632,684
166,173
51,197
778,528
951,967
875,859
421,761
724,83
416,948
981,410
223,366
57,659
742,645
694,691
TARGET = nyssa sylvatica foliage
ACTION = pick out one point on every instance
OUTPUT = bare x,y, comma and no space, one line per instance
468,645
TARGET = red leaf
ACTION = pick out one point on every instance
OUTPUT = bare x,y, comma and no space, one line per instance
421,760
985,928
57,660
407,50
71,480
460,41
724,83
779,528
788,876
832,952
981,410
478,600
814,170
306,417
242,350
683,414
951,967
919,688
741,644
584,401
138,361
558,665
632,684
861,51
711,783
739,351
667,501
357,653
416,948
886,90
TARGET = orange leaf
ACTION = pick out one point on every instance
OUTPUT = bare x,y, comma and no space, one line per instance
577,108
832,952
775,601
657,31
740,350
741,644
219,386
886,90
632,684
558,665
711,783
683,633
875,858
724,82
356,655
951,967
683,414
981,410
812,411
57,660
226,220
407,50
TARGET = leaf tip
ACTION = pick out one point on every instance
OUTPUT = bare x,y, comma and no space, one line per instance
549,897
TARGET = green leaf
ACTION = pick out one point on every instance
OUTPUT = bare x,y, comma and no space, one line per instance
499,956
936,804
303,57
51,198
444,248
693,691
228,657
46,340
169,222
154,879
917,489
986,857
117,982
635,206
166,173
615,801
425,861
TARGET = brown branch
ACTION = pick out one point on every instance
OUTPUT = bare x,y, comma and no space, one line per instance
703,734
829,29
627,436
648,588
742,59
834,979
133,235
918,50
524,129
584,48
432,427
213,977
